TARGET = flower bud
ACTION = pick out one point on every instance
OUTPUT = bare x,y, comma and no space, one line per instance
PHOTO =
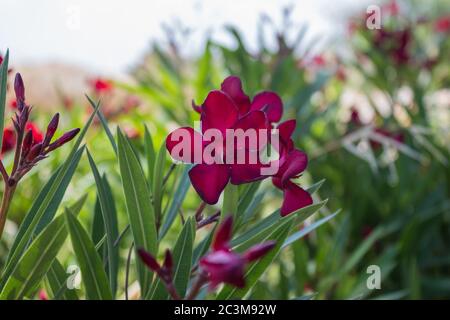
19,88
51,129
27,143
258,251
66,137
34,152
149,260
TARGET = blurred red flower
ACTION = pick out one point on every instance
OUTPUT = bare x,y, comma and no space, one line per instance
226,266
100,85
442,24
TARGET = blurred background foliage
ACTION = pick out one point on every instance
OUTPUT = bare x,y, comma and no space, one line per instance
373,115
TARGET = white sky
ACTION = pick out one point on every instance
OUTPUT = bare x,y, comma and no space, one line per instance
108,36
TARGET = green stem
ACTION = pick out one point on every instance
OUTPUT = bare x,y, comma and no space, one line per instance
230,201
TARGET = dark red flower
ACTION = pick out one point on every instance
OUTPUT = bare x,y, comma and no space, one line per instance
226,266
9,140
230,108
442,24
37,134
100,85
224,109
13,104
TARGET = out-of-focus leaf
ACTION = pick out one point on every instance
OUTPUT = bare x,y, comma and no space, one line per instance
3,87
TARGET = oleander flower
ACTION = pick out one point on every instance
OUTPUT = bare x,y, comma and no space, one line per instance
100,85
223,265
231,108
224,109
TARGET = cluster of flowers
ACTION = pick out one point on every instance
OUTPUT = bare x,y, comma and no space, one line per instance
231,108
30,143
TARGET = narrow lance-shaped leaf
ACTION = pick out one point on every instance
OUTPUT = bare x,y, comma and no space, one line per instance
177,201
94,276
3,87
110,221
57,279
139,208
150,154
158,178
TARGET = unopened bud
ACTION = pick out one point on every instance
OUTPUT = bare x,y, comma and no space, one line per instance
51,129
34,152
66,137
27,143
19,88
149,260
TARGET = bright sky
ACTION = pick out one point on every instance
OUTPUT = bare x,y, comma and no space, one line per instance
109,36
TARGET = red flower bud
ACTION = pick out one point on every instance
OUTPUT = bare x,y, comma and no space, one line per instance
34,152
259,250
51,129
149,260
27,143
19,88
66,137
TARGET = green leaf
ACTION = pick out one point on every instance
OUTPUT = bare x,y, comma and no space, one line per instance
109,215
104,123
230,201
36,261
3,88
263,227
158,178
182,259
256,269
139,208
304,231
149,153
94,276
57,283
49,199
175,205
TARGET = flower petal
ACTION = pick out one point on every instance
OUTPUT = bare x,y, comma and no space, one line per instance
286,129
188,141
294,198
209,180
233,87
292,165
251,124
223,234
218,112
270,103
258,251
